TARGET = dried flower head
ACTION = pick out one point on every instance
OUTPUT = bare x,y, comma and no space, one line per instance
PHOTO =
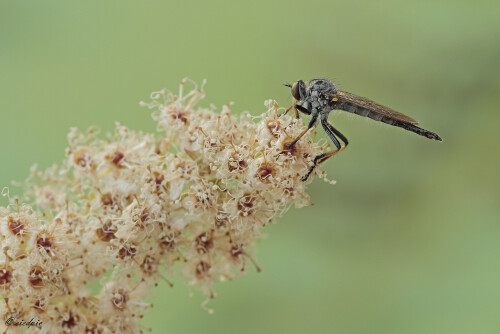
134,204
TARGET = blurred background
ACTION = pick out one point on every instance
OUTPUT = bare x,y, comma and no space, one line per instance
407,241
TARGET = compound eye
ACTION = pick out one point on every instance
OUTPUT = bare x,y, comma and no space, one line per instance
295,91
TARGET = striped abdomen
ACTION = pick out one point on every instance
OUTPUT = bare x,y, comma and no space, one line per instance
383,114
362,111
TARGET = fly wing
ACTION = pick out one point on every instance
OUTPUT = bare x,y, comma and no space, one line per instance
366,107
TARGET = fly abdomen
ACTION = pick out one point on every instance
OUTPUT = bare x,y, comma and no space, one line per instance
381,117
388,120
358,110
417,130
361,111
352,108
375,116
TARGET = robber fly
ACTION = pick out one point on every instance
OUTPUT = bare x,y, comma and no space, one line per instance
322,96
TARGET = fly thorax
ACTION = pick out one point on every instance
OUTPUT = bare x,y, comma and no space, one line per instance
315,104
313,100
323,86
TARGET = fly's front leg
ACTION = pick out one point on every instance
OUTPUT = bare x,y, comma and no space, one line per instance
297,108
290,108
312,123
331,132
302,109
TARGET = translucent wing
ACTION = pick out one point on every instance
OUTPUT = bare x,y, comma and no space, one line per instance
366,107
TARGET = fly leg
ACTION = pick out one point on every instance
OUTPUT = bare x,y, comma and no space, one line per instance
296,108
312,123
290,108
300,108
331,132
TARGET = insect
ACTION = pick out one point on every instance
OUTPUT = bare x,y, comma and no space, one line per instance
322,96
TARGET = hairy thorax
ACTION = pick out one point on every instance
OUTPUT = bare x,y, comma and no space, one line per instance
317,91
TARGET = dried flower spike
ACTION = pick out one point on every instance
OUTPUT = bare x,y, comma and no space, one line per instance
198,193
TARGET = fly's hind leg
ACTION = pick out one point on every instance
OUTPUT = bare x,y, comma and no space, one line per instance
331,132
321,158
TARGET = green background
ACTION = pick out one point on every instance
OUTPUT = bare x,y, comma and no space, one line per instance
407,241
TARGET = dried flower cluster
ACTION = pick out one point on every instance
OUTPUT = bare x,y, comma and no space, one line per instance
123,210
